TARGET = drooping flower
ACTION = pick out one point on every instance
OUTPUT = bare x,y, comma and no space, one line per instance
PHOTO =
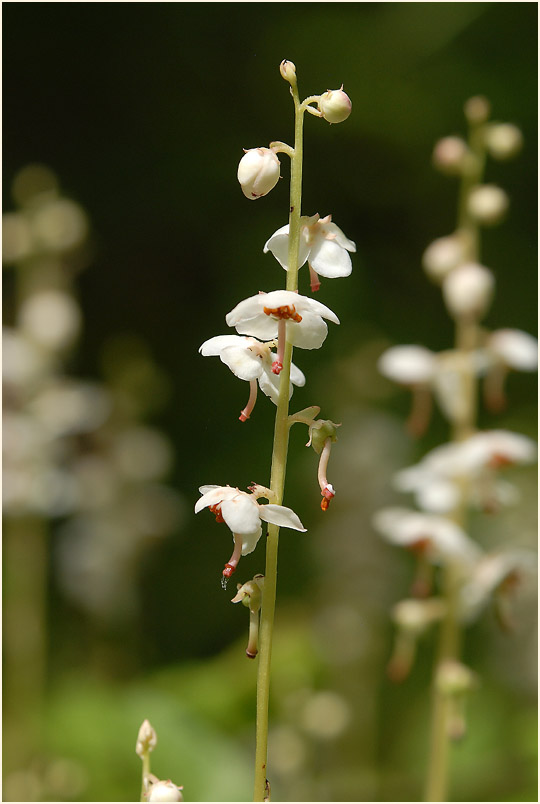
505,350
322,244
243,515
494,574
251,360
435,537
285,315
437,481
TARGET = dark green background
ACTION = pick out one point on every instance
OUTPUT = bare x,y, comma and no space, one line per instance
142,109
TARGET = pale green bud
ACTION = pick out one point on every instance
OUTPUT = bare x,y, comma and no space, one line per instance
335,105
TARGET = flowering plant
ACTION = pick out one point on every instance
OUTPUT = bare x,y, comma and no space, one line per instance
278,320
456,578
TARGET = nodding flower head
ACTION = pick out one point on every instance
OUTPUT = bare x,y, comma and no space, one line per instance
254,361
323,246
243,515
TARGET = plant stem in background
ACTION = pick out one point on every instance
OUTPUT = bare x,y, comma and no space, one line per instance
466,340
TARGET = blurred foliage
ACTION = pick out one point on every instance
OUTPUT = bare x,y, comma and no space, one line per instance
143,111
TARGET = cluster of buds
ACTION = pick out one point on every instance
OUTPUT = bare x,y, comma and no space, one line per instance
465,473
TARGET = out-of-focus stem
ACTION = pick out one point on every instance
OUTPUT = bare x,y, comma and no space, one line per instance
279,463
466,340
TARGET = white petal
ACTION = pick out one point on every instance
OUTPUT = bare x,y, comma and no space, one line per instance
249,540
310,333
280,515
407,364
305,303
212,495
517,349
297,376
278,244
241,513
340,237
248,308
213,346
242,362
269,384
329,259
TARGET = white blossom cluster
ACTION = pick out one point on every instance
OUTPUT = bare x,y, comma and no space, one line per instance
267,321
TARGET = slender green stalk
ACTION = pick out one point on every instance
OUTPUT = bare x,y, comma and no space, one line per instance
145,774
279,464
449,647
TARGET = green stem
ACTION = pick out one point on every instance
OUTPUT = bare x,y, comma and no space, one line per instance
145,774
279,464
449,647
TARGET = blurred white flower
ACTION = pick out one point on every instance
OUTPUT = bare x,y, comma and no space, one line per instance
435,537
468,290
51,318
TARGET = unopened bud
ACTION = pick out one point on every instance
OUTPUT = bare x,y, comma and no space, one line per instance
477,109
442,256
415,616
288,71
450,155
335,105
487,204
258,172
165,791
454,678
468,290
146,739
503,140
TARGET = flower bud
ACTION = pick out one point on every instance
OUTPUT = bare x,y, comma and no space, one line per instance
288,71
165,791
503,140
258,172
487,204
468,289
146,739
450,155
441,256
477,109
335,105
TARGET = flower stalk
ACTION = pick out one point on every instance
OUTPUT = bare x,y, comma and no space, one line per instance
279,464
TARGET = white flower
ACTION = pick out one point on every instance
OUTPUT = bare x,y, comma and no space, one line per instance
322,244
251,360
258,172
243,514
264,315
436,537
